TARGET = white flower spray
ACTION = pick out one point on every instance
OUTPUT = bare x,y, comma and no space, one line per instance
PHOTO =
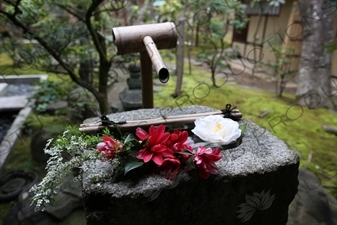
79,146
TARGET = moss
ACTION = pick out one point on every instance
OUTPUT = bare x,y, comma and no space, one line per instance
6,68
20,156
5,59
38,121
5,208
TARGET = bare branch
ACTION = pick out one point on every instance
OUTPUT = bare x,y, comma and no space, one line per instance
79,14
93,33
104,10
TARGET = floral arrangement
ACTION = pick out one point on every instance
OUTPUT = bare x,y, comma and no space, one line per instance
156,150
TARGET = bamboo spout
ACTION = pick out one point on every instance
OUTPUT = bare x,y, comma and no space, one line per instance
147,39
156,59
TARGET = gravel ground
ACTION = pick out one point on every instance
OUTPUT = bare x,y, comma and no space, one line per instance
19,89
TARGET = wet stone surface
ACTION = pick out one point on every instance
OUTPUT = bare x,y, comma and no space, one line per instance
145,114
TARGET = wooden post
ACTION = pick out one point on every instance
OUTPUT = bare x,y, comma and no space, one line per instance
147,80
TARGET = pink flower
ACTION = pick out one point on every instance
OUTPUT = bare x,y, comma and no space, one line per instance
205,159
170,167
154,149
109,147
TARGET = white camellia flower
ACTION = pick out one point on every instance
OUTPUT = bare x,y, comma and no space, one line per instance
216,129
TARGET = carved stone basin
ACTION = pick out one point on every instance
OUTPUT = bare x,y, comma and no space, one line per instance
257,181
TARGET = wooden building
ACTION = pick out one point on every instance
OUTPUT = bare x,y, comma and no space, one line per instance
272,26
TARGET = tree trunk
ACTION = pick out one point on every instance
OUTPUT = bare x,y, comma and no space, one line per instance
197,36
142,13
314,85
104,67
86,65
213,77
180,56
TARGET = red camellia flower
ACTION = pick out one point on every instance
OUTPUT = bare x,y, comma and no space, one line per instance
154,150
178,141
205,159
170,167
109,147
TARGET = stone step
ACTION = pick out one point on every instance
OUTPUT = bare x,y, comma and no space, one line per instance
157,88
24,79
3,88
13,103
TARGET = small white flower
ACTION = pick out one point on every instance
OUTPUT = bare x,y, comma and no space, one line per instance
216,129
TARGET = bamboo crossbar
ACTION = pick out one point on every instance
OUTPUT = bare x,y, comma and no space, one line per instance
181,119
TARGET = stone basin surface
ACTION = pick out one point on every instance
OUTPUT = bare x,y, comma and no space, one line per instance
257,181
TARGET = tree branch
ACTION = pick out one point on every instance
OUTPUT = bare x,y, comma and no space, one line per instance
93,33
16,6
99,42
54,53
5,13
73,11
104,10
9,2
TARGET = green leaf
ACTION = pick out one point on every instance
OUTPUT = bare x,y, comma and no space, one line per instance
132,164
331,47
190,163
185,152
106,131
130,138
243,127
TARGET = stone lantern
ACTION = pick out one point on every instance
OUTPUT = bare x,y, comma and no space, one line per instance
131,96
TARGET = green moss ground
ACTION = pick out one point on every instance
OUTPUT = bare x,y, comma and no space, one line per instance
6,68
